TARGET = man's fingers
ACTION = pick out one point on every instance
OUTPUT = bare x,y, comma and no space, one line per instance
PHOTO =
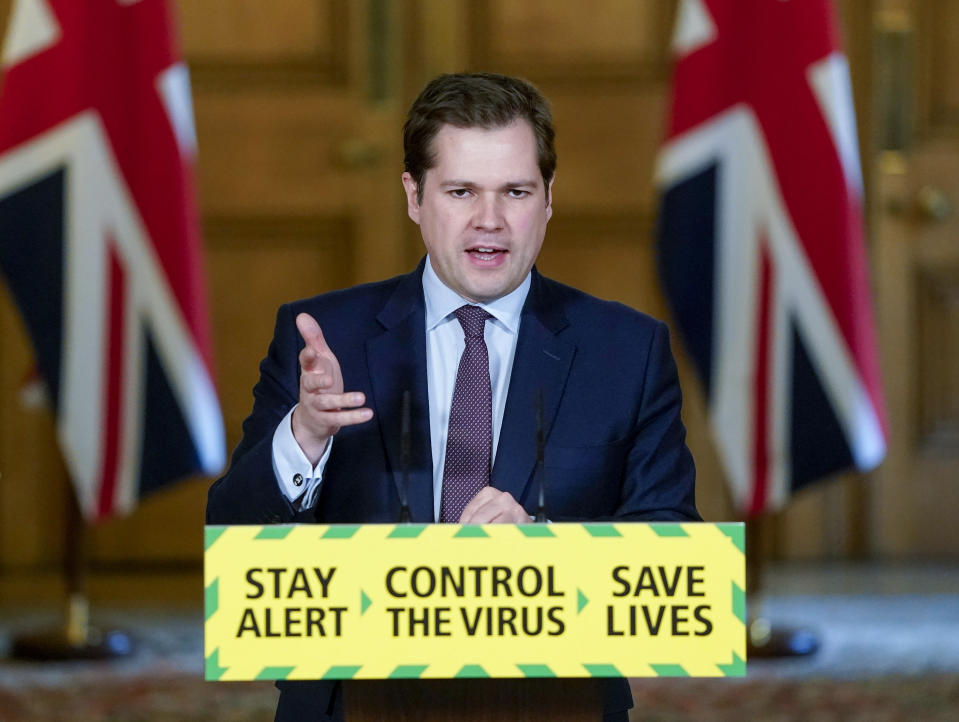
481,498
350,417
331,411
314,382
334,402
490,506
312,361
311,332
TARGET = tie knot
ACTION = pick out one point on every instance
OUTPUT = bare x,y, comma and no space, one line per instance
473,320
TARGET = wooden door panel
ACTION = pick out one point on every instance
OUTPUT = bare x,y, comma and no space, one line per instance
935,24
239,44
938,360
607,143
916,217
919,302
606,40
246,31
264,153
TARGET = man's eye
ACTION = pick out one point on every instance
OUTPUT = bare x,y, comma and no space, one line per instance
517,193
460,192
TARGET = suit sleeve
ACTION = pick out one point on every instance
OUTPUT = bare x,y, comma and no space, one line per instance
248,493
659,483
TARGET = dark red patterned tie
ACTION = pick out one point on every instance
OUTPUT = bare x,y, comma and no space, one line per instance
469,444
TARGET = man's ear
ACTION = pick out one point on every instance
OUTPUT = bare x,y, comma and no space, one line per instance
412,203
549,197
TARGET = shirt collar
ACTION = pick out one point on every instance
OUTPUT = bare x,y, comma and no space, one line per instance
441,301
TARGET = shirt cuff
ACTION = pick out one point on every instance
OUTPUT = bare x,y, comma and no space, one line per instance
299,481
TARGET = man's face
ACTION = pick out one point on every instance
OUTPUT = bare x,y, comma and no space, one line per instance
484,209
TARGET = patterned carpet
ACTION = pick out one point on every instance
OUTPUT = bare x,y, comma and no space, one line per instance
889,651
178,699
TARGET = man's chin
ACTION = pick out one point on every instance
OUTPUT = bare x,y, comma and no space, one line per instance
483,290
488,296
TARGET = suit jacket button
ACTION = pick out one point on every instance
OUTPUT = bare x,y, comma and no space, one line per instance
298,480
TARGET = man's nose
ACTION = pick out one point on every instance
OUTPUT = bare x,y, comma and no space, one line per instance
488,213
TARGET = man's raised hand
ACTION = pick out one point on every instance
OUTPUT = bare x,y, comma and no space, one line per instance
324,407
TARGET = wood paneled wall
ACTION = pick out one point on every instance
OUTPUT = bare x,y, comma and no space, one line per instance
299,105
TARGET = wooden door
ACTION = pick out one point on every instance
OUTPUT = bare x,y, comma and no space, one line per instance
916,219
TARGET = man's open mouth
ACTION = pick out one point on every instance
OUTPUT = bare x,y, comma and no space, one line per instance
485,252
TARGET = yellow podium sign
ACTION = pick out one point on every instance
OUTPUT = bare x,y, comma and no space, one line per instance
382,601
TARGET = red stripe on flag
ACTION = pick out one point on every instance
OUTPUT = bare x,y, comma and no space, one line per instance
760,487
116,342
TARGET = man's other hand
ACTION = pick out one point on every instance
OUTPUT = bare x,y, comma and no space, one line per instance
492,506
324,407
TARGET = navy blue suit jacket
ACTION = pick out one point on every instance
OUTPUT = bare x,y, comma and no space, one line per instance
615,442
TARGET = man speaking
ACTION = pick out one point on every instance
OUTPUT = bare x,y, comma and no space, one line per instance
490,353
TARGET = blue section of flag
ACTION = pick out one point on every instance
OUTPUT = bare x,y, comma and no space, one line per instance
31,259
168,450
817,443
687,232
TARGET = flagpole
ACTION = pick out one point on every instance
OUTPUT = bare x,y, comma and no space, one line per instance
764,638
75,639
77,623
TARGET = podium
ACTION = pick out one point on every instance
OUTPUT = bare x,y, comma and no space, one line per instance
484,700
475,622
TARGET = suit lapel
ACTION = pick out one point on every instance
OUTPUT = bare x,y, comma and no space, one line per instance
541,364
397,362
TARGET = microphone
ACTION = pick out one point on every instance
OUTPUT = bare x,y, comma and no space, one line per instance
403,484
540,459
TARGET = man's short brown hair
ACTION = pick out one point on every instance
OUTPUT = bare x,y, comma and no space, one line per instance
475,100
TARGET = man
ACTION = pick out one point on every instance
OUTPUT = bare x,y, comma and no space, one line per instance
482,342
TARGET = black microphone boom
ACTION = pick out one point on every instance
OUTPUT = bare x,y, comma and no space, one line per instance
540,459
403,483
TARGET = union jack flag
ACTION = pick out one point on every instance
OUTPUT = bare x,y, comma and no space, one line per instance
100,246
761,246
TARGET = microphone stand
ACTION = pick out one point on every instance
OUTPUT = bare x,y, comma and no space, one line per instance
403,483
540,460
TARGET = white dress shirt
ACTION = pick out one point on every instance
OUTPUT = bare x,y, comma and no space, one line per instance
300,481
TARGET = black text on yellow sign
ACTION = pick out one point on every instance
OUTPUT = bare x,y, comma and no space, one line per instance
306,602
